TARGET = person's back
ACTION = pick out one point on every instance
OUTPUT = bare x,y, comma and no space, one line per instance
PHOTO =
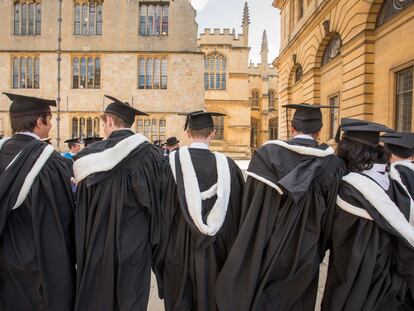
37,267
201,193
116,219
288,204
371,263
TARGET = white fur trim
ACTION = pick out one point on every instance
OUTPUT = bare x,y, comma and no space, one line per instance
2,141
382,203
395,175
28,181
406,163
107,159
172,164
352,209
302,149
194,198
265,181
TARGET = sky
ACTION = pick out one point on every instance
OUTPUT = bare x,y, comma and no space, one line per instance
229,13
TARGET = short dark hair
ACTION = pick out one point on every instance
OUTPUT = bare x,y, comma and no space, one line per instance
203,133
71,145
359,157
27,123
117,120
307,126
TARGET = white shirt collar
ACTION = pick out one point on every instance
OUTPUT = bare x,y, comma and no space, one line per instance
304,136
379,173
29,134
199,146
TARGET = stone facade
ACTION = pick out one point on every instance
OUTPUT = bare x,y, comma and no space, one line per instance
351,53
246,125
119,49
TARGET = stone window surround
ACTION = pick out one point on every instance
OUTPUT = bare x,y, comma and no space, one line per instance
152,127
17,82
215,79
97,71
33,18
158,64
83,127
394,91
97,25
333,124
158,13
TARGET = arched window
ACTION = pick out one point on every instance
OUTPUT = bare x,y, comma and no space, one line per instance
158,13
272,99
75,129
96,127
89,127
153,19
149,68
15,73
143,19
82,128
99,13
23,73
77,20
150,19
255,99
219,127
92,19
273,129
84,19
254,134
164,75
215,76
332,50
163,124
298,73
157,73
29,83
36,78
154,129
86,72
141,71
391,8
27,15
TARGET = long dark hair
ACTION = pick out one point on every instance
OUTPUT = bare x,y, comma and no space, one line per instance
359,157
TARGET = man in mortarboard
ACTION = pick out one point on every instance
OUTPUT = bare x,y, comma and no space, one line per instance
117,214
74,146
401,147
37,264
201,196
287,212
371,265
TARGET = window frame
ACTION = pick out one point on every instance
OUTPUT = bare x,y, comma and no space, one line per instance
83,70
395,93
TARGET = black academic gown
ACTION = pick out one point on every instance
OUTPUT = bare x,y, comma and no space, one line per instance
406,172
117,227
37,253
371,264
274,263
188,261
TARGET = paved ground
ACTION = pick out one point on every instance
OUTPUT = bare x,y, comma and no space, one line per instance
156,304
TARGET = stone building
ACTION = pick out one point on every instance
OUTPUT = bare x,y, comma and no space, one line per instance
245,93
353,54
143,52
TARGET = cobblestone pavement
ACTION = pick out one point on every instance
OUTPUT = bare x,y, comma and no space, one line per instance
155,304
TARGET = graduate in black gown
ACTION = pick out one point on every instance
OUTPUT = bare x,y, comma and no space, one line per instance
401,147
117,215
371,264
288,205
201,198
37,251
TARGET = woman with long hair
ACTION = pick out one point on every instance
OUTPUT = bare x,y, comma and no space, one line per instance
372,253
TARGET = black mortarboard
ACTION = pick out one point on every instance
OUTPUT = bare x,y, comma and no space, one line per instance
400,143
89,140
199,120
23,106
307,111
123,110
361,131
72,141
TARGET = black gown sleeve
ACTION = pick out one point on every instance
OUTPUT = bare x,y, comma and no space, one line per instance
52,205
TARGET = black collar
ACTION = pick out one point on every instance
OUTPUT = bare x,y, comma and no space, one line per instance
303,142
121,133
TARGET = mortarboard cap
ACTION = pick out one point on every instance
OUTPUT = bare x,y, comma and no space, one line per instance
72,141
400,143
361,131
123,110
307,111
23,106
89,140
199,120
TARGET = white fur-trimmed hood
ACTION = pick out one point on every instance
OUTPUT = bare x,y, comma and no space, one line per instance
107,159
194,197
379,199
302,149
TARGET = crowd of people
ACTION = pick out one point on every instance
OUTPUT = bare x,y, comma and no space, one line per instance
83,230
